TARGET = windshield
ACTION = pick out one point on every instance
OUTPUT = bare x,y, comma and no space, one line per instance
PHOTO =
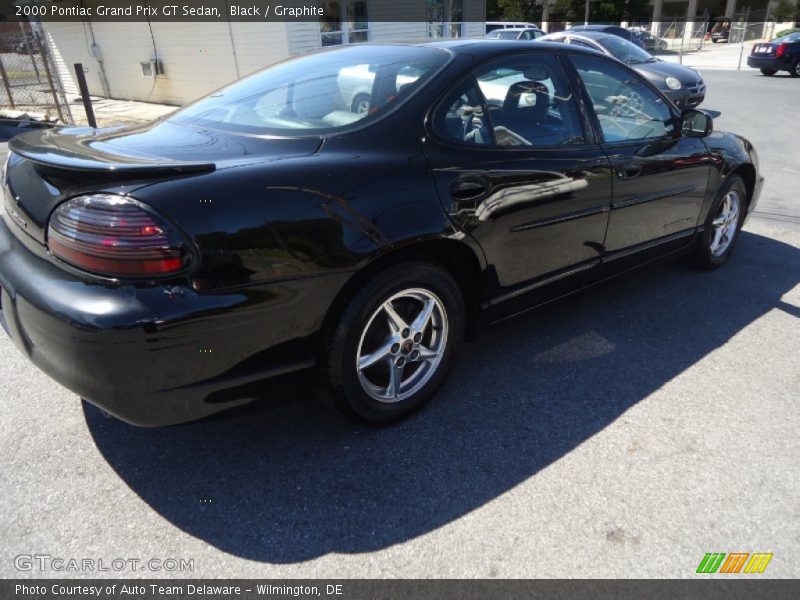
624,50
320,93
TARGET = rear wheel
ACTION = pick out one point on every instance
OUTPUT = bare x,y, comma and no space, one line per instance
795,70
394,343
360,104
768,72
722,226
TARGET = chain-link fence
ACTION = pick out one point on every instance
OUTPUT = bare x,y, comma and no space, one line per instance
750,25
679,36
30,86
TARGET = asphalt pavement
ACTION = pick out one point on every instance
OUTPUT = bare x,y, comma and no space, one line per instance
626,432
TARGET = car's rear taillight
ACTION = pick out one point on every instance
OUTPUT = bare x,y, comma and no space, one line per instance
115,236
780,50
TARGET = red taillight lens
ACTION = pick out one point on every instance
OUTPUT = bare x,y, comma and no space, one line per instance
780,50
115,236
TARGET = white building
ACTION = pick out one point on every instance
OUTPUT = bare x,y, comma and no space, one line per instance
199,57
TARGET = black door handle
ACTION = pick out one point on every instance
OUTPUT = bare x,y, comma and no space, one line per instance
468,189
629,171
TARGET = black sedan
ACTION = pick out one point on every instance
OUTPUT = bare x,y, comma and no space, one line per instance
160,271
684,86
781,54
625,34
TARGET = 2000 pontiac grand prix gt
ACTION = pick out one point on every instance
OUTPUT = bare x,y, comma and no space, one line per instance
357,210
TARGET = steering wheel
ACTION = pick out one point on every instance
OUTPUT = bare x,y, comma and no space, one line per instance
632,107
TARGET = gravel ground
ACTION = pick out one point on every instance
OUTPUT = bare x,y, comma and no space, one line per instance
624,433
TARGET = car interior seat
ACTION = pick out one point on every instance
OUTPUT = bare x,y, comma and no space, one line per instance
526,112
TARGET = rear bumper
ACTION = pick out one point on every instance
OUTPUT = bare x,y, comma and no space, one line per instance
768,62
157,355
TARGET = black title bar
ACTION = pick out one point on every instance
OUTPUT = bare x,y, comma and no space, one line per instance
718,588
233,10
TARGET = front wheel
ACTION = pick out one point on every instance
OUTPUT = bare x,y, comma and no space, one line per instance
394,343
722,227
768,72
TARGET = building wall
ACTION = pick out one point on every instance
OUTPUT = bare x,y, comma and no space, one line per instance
198,57
201,57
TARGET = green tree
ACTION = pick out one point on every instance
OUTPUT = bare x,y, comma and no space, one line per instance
602,11
514,10
786,12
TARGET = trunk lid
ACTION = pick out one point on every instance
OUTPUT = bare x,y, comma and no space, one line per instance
47,167
765,49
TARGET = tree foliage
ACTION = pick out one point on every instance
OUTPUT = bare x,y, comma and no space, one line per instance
514,10
602,11
786,12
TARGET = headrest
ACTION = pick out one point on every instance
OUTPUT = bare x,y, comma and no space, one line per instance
527,94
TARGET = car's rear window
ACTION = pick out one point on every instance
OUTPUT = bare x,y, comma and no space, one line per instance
318,94
788,39
624,50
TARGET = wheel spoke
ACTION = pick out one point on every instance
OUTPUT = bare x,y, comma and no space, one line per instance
733,216
366,361
423,318
716,241
427,355
719,221
396,322
395,379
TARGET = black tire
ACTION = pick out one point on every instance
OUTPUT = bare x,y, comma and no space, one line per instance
795,70
360,104
768,72
713,41
337,364
702,255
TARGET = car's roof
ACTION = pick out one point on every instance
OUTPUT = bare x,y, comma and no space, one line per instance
518,29
481,47
596,27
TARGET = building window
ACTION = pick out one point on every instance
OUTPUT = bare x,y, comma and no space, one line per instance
345,22
445,18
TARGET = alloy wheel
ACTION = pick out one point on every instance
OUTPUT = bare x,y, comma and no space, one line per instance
402,345
725,223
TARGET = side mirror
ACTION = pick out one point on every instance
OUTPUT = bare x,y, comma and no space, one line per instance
696,123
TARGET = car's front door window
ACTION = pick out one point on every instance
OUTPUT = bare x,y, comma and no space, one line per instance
626,107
